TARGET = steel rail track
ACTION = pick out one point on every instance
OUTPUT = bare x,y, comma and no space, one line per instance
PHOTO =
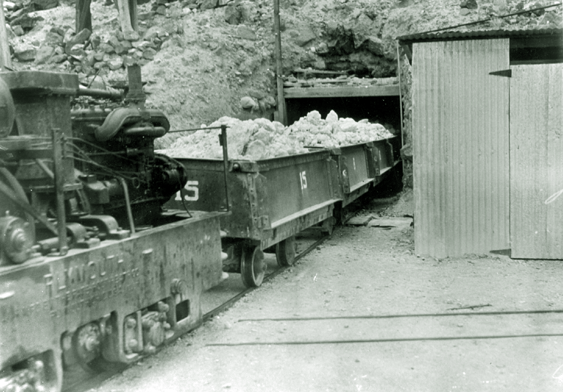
233,300
94,380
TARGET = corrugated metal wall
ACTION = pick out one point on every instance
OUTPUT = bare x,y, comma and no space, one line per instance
536,161
460,147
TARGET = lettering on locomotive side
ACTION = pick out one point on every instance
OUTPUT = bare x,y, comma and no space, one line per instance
81,282
80,275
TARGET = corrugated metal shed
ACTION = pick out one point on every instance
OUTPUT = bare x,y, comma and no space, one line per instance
540,31
488,142
536,161
460,147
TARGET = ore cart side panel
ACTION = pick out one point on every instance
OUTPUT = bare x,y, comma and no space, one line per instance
294,184
355,170
295,193
270,199
386,154
204,191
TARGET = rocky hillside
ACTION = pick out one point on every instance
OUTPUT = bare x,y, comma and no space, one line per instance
200,57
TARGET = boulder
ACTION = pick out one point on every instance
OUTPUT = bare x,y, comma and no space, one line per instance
131,35
115,63
78,39
233,14
375,45
406,152
26,21
208,4
154,32
113,41
42,5
106,48
470,4
248,103
95,40
305,35
25,52
53,38
362,28
128,61
90,59
44,53
57,59
100,65
57,30
18,30
10,32
77,51
81,37
149,53
246,32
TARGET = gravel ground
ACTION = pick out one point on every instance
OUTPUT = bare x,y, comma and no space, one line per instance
318,325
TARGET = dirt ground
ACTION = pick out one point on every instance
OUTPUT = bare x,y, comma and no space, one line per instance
318,325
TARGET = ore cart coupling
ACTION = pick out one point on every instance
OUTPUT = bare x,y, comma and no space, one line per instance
271,200
93,271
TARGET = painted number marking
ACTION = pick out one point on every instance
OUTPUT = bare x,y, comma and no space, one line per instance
191,192
303,178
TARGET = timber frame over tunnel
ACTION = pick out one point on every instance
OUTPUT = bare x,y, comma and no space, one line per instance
487,142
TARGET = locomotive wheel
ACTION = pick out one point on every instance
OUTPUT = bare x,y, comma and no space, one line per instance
252,266
285,252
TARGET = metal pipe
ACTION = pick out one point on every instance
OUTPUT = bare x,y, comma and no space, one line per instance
57,136
196,129
45,169
223,142
128,205
99,93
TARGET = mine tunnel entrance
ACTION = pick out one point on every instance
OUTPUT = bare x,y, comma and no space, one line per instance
384,110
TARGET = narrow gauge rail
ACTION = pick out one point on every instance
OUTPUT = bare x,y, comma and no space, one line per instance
85,381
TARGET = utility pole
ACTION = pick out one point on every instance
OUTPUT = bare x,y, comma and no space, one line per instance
279,69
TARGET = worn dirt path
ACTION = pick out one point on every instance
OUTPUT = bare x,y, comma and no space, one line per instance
369,271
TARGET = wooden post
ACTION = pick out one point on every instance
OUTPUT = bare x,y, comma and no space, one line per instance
5,58
400,93
282,115
83,15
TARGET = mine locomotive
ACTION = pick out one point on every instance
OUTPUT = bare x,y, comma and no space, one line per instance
93,270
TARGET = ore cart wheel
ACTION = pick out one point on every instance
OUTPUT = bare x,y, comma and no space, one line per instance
327,226
252,266
285,252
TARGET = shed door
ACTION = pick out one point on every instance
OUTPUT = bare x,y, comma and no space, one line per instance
461,150
536,161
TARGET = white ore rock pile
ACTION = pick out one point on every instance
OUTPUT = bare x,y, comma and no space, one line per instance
261,139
